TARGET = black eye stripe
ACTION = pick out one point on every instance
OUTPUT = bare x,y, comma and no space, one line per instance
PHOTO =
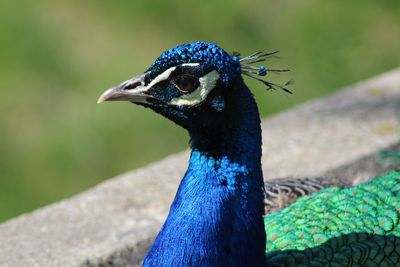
183,70
197,71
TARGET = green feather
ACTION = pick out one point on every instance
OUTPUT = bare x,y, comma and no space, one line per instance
357,226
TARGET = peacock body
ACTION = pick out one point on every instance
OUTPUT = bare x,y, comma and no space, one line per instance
216,218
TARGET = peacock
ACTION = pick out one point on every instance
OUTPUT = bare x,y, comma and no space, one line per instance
217,216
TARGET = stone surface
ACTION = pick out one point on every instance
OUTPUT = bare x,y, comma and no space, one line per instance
113,223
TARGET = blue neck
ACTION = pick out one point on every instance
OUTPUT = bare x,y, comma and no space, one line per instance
216,217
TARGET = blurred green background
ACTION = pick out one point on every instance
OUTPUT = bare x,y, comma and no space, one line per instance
56,57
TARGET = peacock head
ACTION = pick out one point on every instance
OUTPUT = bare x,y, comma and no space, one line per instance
189,84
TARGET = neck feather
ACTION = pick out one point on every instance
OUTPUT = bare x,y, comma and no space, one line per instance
216,217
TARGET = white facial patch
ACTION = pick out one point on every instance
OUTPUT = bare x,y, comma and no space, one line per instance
207,83
190,64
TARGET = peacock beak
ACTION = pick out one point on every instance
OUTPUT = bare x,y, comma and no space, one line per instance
133,90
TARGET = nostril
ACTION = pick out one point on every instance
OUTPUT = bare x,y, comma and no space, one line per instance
132,85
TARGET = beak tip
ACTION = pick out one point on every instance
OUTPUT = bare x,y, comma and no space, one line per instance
105,96
100,100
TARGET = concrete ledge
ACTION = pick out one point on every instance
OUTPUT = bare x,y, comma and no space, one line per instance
113,223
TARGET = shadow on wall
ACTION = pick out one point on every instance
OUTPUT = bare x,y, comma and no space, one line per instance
360,171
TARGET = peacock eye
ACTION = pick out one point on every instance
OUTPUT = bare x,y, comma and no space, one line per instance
186,83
